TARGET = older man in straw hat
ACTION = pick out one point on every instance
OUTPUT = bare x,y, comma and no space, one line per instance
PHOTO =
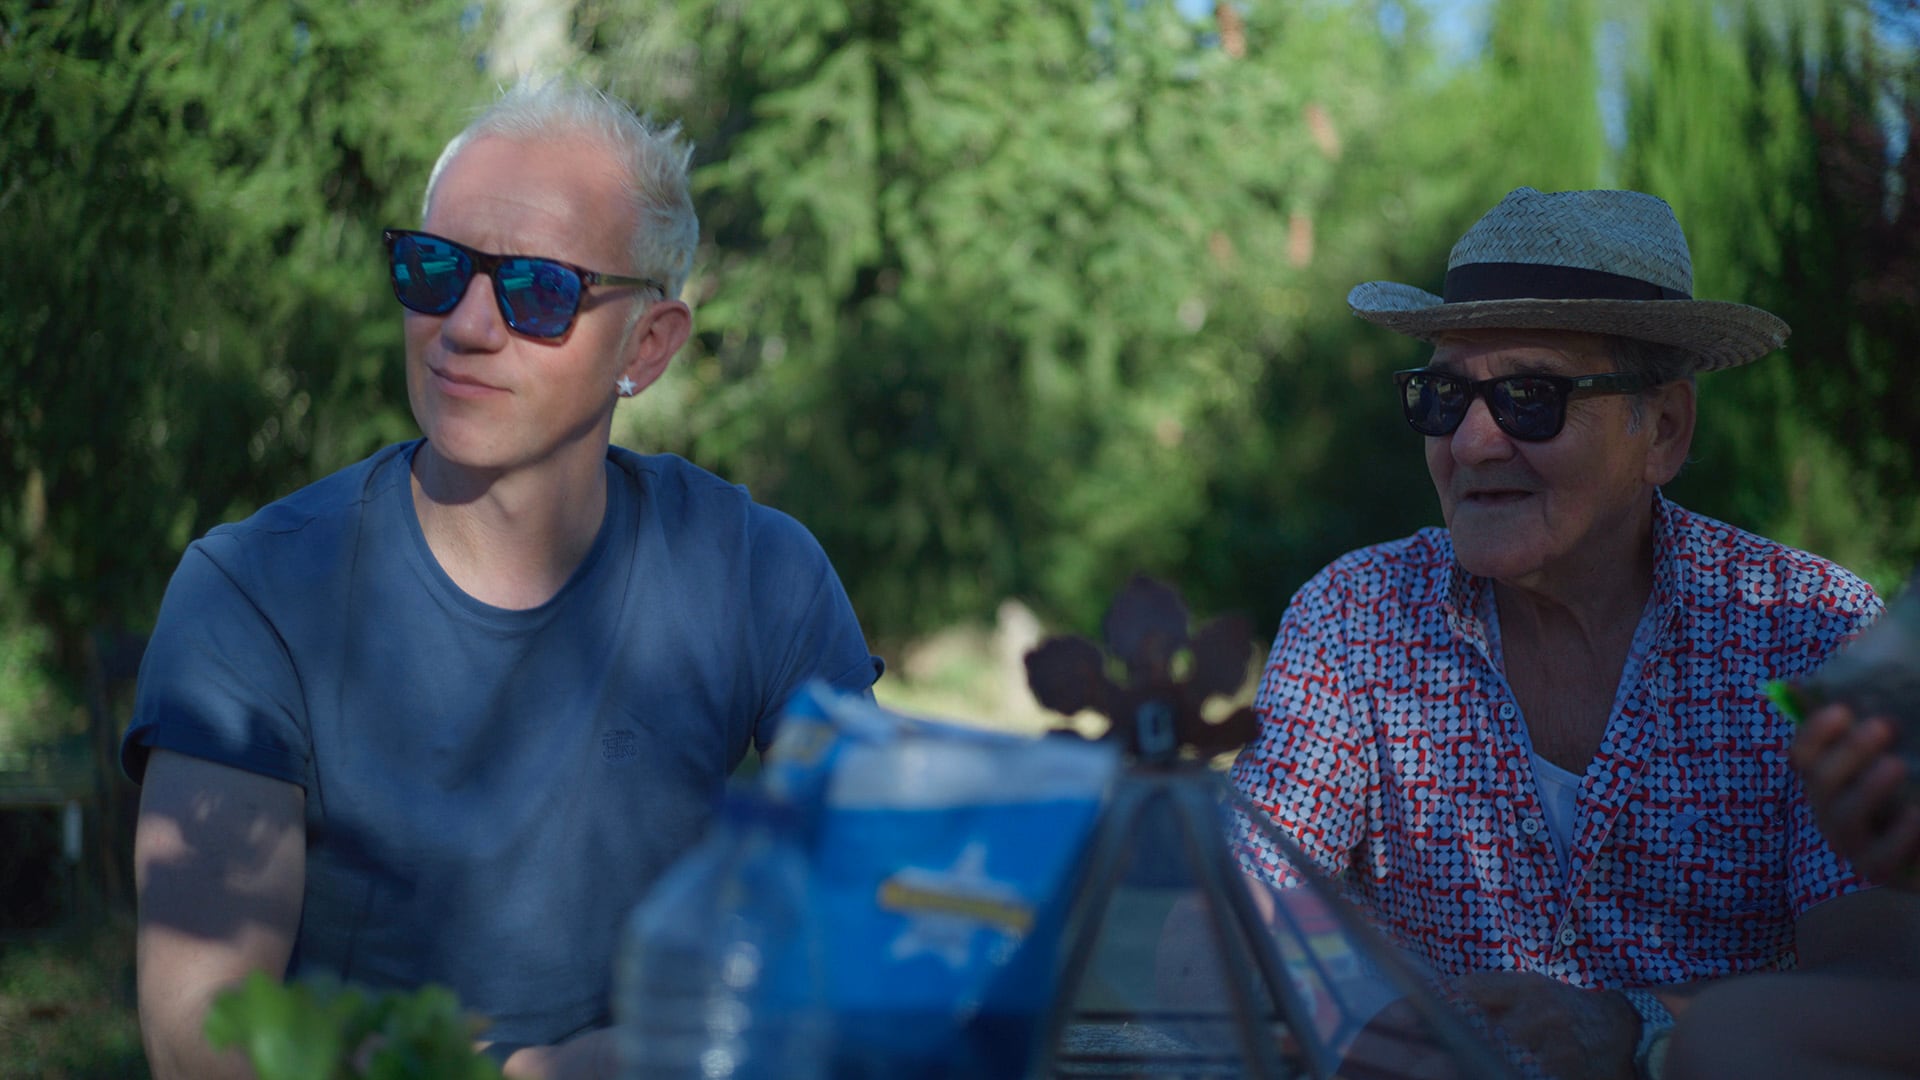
1533,744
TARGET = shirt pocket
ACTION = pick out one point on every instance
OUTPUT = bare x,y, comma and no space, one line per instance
1731,885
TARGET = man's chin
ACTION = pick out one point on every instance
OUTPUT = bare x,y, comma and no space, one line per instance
447,449
1499,558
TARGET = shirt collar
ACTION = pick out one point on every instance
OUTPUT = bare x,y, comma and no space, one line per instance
1463,601
1671,567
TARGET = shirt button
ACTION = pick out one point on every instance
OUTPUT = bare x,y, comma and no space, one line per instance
1506,710
1530,826
1568,937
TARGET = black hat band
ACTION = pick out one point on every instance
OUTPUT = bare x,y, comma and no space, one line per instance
1474,282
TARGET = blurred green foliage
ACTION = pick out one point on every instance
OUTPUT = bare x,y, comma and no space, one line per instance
65,1006
1000,297
193,317
1795,202
326,1031
1006,298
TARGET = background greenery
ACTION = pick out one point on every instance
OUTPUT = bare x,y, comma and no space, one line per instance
1003,298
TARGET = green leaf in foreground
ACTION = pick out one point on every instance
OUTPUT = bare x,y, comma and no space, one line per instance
285,1031
321,1030
1788,700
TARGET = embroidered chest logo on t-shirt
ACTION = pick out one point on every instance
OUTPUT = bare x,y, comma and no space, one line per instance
618,746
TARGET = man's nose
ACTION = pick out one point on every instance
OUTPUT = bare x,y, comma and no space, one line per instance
476,322
1479,438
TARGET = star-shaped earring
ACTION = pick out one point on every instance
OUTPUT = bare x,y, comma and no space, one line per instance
626,386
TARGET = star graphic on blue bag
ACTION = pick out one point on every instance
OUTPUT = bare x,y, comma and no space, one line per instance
945,910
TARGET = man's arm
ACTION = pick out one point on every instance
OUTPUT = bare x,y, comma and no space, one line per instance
1861,793
1841,1016
1856,942
1871,934
1857,789
1313,767
1875,932
219,859
588,1056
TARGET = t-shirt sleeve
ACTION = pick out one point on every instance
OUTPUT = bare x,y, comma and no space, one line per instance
216,682
810,629
1310,769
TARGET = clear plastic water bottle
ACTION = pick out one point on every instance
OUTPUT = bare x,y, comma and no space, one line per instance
720,975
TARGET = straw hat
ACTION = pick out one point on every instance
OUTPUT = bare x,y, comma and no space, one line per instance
1608,262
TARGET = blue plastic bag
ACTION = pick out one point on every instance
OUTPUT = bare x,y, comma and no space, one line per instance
945,859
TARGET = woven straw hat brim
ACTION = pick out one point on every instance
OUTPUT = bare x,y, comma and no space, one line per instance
1719,333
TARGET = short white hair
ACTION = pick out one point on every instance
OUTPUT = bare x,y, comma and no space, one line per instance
655,157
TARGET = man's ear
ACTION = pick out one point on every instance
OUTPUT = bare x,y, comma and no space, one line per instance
1670,412
653,341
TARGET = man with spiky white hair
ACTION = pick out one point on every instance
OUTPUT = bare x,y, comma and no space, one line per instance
444,715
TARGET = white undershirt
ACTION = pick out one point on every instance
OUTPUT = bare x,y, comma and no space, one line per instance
1560,789
1560,798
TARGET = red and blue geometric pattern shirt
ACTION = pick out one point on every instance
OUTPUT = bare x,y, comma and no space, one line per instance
1392,752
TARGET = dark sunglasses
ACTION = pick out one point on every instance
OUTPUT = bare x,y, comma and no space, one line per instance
538,297
1531,408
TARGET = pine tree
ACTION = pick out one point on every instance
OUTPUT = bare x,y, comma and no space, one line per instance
1012,299
196,317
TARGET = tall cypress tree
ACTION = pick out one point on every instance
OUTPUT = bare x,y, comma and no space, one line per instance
1541,122
1762,128
1012,299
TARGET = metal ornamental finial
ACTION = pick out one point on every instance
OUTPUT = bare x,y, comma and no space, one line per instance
1155,714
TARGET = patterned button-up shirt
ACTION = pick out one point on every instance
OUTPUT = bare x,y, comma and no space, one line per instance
1393,753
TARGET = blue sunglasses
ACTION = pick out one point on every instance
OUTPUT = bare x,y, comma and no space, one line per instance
538,297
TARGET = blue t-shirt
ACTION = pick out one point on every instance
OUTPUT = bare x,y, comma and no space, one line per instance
488,792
